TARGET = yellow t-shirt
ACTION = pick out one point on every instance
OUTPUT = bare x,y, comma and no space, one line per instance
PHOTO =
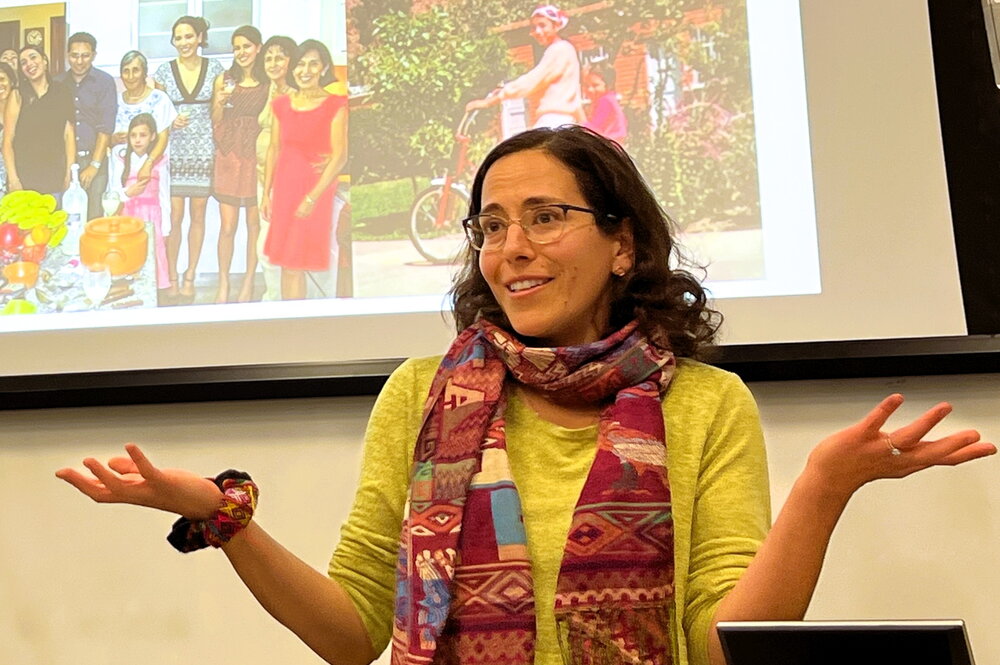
718,483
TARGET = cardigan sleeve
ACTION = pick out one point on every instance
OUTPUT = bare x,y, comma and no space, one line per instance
364,562
731,513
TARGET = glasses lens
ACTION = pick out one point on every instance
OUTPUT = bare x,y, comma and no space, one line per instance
544,224
487,231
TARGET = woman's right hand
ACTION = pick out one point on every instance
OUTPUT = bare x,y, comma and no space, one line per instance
265,207
119,138
181,121
223,94
135,480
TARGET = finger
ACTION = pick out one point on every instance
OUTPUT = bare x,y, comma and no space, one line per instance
107,478
931,453
122,465
913,432
142,463
968,453
877,416
88,486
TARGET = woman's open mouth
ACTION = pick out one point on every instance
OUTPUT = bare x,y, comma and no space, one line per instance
524,286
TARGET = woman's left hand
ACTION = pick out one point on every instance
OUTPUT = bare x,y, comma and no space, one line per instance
145,173
478,104
320,166
305,207
864,452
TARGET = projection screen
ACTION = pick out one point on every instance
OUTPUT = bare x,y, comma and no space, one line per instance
796,145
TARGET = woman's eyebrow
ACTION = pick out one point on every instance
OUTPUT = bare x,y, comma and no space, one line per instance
492,208
530,202
538,200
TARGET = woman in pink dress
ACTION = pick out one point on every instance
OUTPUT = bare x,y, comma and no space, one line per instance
308,149
141,196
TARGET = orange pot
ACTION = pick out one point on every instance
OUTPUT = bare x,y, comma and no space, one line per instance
22,272
121,243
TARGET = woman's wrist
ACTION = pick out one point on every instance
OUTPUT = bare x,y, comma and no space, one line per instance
826,490
230,515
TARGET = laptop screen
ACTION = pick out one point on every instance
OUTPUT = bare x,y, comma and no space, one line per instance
845,642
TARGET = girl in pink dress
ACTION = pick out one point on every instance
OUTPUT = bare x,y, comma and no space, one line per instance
606,116
141,199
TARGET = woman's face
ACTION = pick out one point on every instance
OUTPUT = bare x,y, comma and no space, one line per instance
33,64
133,75
139,137
309,69
276,63
186,40
9,56
557,293
5,86
245,52
543,30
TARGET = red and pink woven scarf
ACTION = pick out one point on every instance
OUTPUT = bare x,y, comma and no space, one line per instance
464,592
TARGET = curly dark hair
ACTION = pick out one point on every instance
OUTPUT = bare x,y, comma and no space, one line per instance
669,303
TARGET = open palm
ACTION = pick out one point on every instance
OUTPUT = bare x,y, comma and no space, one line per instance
135,480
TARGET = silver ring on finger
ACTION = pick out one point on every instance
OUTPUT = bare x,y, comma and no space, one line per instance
892,449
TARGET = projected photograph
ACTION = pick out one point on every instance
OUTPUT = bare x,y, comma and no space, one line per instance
167,162
436,85
165,154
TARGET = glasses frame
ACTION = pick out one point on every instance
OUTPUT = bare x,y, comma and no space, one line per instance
565,207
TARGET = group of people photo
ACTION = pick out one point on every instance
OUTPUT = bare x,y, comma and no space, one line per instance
266,138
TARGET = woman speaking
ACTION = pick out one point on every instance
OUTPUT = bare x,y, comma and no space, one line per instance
518,500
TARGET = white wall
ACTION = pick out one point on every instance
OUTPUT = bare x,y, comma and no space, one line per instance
85,584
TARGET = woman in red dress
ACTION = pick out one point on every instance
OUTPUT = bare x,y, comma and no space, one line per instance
308,149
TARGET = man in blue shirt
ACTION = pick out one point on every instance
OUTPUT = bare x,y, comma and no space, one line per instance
96,100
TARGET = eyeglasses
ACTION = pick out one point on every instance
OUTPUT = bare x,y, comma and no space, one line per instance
542,225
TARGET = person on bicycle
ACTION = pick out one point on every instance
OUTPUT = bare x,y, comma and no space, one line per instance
552,87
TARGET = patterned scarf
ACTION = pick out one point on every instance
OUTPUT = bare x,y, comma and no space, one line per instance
464,592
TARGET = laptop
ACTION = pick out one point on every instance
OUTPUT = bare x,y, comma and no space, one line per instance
845,642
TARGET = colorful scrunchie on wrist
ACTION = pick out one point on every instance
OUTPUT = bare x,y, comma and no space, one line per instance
234,514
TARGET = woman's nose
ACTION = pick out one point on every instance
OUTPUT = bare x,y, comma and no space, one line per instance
516,244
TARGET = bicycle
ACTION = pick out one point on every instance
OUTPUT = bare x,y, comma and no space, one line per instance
437,212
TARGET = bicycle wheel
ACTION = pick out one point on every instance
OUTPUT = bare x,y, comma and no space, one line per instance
439,243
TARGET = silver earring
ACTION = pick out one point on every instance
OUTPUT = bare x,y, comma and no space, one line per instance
619,271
